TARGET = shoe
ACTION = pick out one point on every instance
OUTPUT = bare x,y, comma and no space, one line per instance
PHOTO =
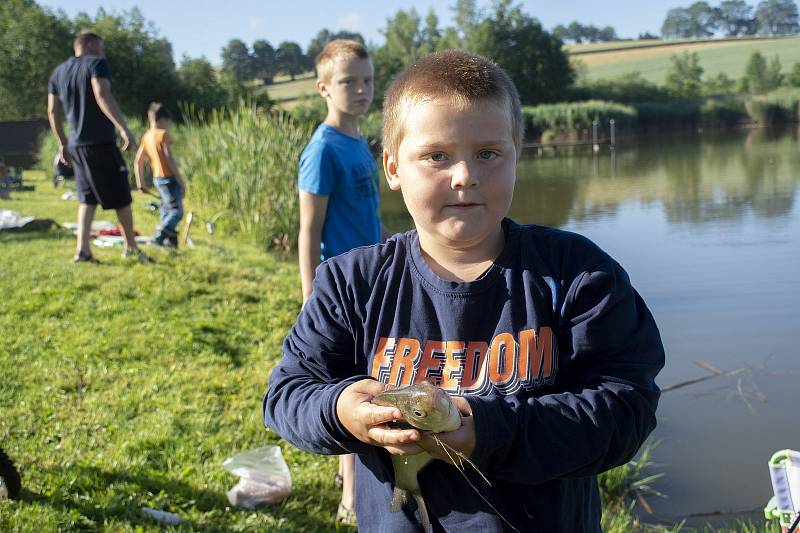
138,255
171,238
82,257
346,516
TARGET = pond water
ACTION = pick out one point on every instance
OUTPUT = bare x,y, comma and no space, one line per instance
707,224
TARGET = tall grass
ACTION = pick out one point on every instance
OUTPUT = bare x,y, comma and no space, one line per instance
242,166
570,118
781,105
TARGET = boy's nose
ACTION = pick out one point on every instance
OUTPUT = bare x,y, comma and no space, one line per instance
463,176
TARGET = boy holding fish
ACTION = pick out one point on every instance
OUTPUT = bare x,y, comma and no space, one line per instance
549,353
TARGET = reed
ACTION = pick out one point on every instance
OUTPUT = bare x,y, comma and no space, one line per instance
571,118
781,105
242,165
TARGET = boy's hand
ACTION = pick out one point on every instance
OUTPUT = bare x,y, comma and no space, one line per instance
369,422
462,439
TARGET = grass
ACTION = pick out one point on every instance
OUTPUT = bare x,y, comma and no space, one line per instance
284,92
718,56
126,385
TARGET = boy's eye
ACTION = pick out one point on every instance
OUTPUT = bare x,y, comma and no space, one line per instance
438,156
487,155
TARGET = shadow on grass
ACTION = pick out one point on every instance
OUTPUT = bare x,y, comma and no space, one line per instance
34,230
131,491
215,338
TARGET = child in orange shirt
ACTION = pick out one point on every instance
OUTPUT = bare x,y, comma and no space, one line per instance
155,147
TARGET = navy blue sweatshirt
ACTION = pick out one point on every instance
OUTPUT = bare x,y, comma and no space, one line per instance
554,350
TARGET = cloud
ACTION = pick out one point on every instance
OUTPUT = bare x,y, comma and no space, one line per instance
352,22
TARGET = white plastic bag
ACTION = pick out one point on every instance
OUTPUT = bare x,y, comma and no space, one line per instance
264,477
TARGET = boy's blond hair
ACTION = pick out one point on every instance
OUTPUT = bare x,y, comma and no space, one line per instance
464,78
334,50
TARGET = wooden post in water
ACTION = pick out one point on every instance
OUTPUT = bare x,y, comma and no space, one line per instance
595,145
612,127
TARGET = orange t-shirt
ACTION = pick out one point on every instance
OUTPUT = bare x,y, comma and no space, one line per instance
154,141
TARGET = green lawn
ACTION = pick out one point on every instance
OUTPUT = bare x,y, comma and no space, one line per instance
284,91
124,385
728,56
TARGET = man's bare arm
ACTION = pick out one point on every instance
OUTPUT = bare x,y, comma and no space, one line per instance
55,115
312,216
138,169
108,105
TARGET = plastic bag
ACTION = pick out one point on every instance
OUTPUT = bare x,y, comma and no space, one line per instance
264,477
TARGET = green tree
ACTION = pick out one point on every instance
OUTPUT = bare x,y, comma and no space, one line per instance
322,38
677,24
793,78
141,60
263,61
199,83
777,17
704,19
735,17
760,76
33,41
719,84
236,60
465,16
429,40
290,59
403,44
774,78
684,76
533,58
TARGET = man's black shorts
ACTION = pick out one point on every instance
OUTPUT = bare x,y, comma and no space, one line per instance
101,176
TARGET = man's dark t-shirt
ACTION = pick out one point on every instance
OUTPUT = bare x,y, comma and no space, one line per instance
71,82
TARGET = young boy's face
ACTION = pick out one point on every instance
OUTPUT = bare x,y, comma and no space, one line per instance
349,88
456,167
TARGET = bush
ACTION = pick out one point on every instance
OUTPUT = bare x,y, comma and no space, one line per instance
626,89
723,112
569,118
242,164
782,105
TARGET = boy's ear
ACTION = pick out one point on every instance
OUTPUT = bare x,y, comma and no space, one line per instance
322,88
390,170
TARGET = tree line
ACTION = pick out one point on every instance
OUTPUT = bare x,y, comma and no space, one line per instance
732,18
36,39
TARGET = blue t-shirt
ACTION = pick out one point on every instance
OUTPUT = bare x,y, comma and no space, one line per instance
552,347
342,168
71,82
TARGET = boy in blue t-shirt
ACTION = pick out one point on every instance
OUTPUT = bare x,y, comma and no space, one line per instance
338,183
550,352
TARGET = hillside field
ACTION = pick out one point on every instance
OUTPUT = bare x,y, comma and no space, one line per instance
652,58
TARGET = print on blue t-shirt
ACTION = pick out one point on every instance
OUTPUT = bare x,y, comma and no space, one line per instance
342,168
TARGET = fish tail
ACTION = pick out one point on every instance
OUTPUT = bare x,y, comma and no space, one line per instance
399,499
423,514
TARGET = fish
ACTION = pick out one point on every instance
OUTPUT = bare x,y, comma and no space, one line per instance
427,408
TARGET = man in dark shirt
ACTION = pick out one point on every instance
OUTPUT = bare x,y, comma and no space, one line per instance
80,87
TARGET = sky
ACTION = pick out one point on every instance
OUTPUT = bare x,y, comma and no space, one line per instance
202,27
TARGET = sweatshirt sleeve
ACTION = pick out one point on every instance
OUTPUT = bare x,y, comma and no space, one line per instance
318,362
611,352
